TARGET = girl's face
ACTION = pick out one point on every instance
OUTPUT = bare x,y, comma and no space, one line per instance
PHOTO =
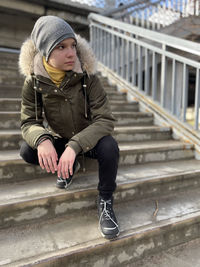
63,56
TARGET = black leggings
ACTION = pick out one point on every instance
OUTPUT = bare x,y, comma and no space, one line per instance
106,152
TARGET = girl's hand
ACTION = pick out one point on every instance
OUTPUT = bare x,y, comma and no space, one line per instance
66,162
47,156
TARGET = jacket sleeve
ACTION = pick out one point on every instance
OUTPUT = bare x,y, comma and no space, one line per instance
32,123
102,119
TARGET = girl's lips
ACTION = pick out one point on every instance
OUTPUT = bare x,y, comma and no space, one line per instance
69,63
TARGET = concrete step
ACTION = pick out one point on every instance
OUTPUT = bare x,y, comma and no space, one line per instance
25,201
8,78
124,105
12,167
141,133
146,228
154,151
129,118
10,104
11,119
11,139
116,96
181,255
10,91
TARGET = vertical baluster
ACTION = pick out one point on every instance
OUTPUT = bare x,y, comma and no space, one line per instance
137,19
147,18
158,17
142,19
127,61
164,17
118,55
185,91
153,22
154,76
102,44
139,67
197,99
106,50
147,71
173,99
134,69
91,36
98,46
112,51
163,77
123,59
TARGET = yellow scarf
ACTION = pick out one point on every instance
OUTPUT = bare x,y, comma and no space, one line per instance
56,75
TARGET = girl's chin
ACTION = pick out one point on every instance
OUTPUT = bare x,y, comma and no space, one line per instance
67,68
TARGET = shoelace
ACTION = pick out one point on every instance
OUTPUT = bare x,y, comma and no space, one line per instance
107,210
64,181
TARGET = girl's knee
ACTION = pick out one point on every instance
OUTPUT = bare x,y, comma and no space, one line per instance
109,147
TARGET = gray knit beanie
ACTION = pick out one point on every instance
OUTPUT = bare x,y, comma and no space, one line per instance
49,31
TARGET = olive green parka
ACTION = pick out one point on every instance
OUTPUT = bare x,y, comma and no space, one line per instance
78,110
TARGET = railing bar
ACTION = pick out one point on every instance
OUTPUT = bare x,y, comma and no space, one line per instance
178,43
117,55
107,48
163,78
112,52
127,61
197,99
173,98
147,71
91,36
185,91
158,50
133,64
123,58
101,48
140,67
154,75
9,50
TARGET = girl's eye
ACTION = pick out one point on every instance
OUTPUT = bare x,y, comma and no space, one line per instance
74,46
60,47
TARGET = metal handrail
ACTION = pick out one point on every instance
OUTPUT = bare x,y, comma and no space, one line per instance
163,39
9,50
157,65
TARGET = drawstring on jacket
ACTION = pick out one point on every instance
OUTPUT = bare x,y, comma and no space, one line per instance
85,95
84,86
36,86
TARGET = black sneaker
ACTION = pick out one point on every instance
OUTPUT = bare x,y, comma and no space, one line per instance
107,220
65,183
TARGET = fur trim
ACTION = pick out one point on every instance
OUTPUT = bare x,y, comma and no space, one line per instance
84,53
27,54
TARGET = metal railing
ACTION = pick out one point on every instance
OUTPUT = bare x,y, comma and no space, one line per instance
102,3
163,68
158,15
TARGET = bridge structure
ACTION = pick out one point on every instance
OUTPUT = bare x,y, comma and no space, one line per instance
18,17
152,80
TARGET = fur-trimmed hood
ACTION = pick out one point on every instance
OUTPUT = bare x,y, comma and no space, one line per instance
29,56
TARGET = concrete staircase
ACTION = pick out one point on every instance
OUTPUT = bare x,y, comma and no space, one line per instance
157,201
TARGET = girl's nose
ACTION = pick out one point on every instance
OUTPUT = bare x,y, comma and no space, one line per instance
71,53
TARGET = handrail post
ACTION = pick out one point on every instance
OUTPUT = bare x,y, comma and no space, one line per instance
163,76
